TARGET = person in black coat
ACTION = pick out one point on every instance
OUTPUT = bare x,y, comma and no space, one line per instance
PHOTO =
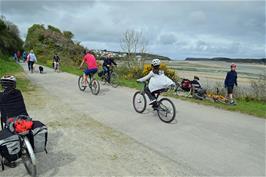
231,81
11,104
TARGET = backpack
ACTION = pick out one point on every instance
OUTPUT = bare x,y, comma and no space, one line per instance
186,85
38,137
10,145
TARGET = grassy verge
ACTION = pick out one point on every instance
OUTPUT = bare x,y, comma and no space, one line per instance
9,67
254,108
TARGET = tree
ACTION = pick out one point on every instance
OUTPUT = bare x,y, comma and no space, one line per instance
133,42
68,34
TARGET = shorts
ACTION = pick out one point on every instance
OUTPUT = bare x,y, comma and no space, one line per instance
230,89
90,71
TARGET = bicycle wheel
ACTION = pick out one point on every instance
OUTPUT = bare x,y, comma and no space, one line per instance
28,158
139,102
114,80
95,87
80,83
166,110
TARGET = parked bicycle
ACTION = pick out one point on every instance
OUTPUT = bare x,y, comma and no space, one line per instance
165,107
26,150
91,82
113,80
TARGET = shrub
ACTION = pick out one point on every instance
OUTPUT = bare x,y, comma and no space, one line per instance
168,72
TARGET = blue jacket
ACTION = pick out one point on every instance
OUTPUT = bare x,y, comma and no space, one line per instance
231,79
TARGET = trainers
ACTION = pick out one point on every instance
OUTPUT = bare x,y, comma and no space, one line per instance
10,164
232,103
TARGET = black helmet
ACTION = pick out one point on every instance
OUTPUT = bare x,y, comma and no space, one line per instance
8,82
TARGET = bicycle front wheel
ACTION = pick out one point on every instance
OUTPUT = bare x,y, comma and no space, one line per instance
95,87
28,158
114,80
166,110
81,83
139,102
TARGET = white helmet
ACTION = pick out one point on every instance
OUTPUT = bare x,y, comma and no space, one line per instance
155,62
8,82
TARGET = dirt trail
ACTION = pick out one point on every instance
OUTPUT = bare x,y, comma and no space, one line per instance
103,135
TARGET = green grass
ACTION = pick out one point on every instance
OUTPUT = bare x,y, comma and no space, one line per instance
9,67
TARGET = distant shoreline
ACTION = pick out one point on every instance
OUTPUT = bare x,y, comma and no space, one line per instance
235,60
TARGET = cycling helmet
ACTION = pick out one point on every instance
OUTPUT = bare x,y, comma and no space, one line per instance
8,82
233,65
155,62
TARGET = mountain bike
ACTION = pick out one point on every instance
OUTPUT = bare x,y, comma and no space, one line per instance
91,82
165,107
113,80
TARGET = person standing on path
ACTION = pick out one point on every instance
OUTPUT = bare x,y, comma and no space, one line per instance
31,60
231,81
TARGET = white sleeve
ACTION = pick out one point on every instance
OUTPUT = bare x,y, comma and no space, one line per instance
145,78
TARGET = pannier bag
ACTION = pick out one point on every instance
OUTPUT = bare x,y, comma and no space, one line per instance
38,137
186,85
10,145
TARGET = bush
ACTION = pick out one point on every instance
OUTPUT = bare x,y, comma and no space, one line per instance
136,71
259,88
168,72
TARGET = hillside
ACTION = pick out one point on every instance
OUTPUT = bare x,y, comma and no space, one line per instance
47,41
235,60
9,37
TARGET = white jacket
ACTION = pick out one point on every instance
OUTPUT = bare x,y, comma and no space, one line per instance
157,81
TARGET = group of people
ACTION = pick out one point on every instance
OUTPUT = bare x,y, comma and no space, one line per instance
154,77
92,66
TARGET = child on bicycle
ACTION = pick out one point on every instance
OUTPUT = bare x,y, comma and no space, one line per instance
231,81
92,67
157,81
107,64
11,104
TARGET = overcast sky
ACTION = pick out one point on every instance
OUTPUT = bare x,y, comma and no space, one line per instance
177,29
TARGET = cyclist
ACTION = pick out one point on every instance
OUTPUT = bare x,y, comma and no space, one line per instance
231,81
157,81
92,67
11,104
56,61
107,64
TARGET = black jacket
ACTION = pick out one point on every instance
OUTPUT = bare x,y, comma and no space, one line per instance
12,104
108,61
231,79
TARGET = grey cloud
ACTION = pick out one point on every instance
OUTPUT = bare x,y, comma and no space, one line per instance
178,28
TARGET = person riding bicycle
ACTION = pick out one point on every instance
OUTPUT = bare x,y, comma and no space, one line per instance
56,61
92,67
231,81
107,64
11,104
157,81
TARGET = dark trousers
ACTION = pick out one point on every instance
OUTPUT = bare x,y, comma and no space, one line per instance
30,65
107,70
149,93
